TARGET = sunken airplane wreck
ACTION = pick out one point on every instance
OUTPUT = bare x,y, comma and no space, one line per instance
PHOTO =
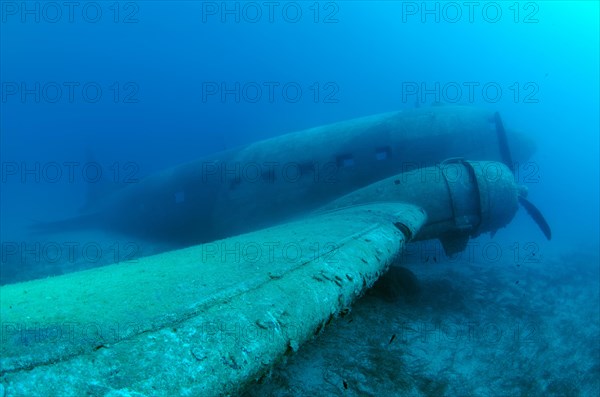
216,324
282,178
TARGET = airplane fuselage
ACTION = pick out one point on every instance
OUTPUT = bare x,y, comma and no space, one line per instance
281,178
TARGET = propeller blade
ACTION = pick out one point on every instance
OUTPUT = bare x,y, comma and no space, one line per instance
537,216
507,160
503,143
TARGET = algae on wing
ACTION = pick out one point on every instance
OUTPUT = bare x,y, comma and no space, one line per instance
199,310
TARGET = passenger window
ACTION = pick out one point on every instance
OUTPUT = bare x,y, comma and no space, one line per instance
344,160
383,153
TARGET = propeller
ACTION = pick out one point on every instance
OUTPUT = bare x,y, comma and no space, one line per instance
531,209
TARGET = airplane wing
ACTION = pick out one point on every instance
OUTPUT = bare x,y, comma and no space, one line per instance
205,320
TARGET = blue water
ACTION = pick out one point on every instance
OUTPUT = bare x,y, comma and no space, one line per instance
148,81
354,60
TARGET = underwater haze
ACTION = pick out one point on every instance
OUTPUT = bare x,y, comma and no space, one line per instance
98,95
